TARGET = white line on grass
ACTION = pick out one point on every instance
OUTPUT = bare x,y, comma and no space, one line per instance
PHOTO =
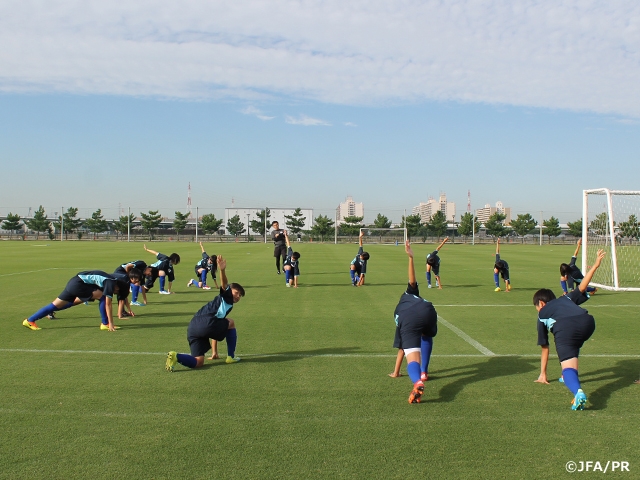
35,271
531,305
305,355
477,345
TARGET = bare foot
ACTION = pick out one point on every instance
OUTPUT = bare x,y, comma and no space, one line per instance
393,375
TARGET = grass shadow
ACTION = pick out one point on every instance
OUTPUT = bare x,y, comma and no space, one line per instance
299,354
621,375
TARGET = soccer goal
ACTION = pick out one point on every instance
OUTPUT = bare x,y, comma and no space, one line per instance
610,222
384,235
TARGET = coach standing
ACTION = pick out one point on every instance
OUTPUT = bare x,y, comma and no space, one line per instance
280,249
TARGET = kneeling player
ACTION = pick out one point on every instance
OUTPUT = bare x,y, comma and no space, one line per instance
87,287
165,269
416,325
291,265
358,267
501,267
211,323
204,266
433,264
571,326
125,268
570,274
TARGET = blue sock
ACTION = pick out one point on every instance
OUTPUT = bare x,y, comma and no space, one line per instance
591,289
43,312
353,275
571,380
232,340
203,278
187,360
194,283
414,371
426,346
162,283
287,273
102,306
429,278
135,290
496,279
563,284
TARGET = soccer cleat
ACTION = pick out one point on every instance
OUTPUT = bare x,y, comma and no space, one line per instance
416,393
579,401
561,379
206,287
288,285
190,282
106,327
278,272
497,289
51,316
232,359
30,325
429,286
164,292
172,359
424,376
138,304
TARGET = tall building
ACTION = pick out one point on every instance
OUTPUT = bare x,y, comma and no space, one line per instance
349,208
427,209
483,214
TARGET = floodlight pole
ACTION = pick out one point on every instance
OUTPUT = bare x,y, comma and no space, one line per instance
248,227
265,225
129,224
61,223
196,224
335,228
541,227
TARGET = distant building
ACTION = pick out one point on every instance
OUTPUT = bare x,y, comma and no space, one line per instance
483,214
349,208
427,209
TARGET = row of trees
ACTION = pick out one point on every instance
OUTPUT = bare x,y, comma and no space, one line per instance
323,226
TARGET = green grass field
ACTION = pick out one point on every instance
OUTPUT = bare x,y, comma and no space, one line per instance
311,397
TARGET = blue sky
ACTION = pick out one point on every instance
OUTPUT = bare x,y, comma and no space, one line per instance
292,104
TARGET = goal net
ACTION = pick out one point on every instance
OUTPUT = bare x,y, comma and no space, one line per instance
384,235
610,222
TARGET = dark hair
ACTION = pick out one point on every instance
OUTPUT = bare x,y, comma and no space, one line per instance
499,265
237,287
431,261
274,222
365,255
214,261
135,275
564,269
296,255
543,295
175,258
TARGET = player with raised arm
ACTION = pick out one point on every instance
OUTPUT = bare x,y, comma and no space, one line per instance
358,267
501,267
571,275
433,264
210,324
207,264
165,269
87,287
571,326
279,242
416,325
291,265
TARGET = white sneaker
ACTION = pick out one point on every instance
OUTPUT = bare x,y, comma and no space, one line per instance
206,287
164,292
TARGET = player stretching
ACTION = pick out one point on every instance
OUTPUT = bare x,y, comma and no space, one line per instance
87,287
358,267
211,322
501,267
146,270
570,274
433,264
291,265
279,242
571,326
207,264
416,325
165,269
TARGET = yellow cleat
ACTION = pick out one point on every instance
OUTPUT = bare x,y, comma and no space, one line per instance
30,325
497,289
106,327
172,359
232,360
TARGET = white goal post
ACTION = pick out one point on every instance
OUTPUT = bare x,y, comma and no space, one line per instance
610,222
381,234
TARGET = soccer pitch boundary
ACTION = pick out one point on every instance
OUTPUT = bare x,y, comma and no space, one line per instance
310,355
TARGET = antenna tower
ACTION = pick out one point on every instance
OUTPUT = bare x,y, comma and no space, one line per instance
189,201
469,201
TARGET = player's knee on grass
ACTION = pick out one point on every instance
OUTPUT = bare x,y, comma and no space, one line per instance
199,361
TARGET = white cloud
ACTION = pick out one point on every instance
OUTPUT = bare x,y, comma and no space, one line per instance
253,111
570,54
350,124
306,121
